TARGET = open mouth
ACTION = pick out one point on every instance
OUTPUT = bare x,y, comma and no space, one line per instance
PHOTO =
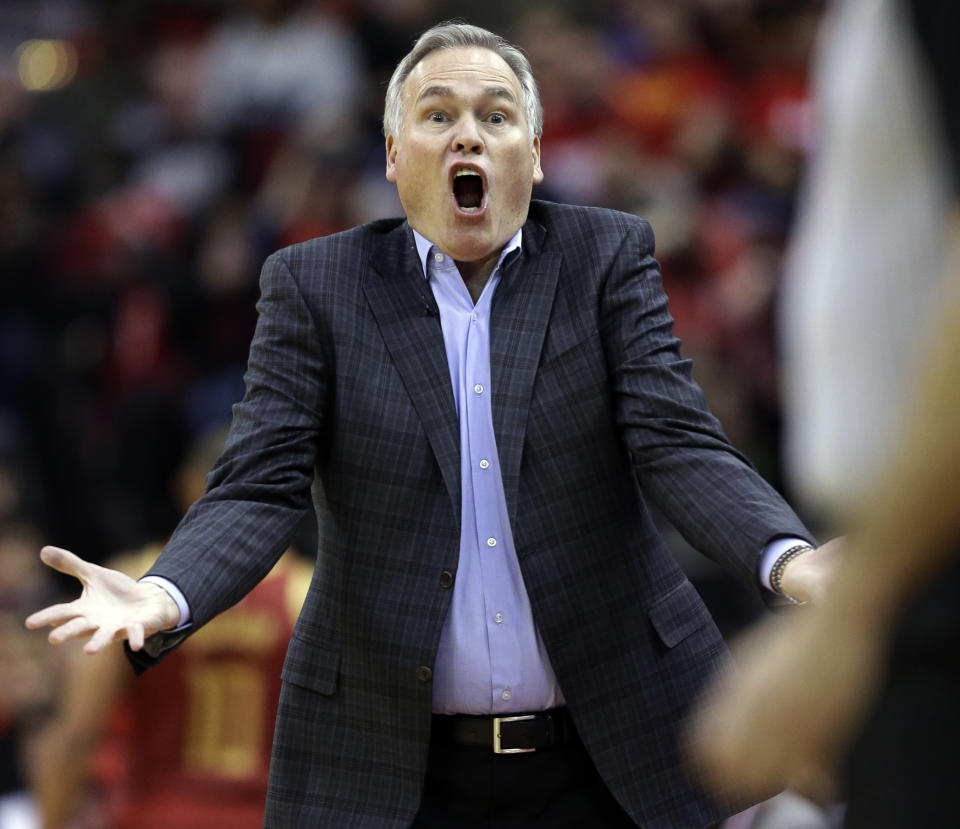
468,190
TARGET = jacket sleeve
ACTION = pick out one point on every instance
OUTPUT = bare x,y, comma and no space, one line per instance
682,460
260,486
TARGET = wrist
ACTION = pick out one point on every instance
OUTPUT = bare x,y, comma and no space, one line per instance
183,614
167,610
779,569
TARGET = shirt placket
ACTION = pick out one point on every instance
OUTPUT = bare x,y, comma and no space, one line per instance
492,542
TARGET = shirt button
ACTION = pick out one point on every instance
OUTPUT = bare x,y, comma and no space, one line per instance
446,579
484,463
491,542
507,693
498,617
473,317
424,674
478,388
438,257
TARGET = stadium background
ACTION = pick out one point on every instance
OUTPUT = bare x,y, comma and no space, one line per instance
153,153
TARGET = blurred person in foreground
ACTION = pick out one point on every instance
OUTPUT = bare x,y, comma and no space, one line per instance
484,393
187,746
857,698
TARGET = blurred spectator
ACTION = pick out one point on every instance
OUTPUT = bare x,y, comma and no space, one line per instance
116,754
27,667
277,62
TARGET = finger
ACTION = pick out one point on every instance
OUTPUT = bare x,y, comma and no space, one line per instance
77,626
54,615
65,562
103,637
135,636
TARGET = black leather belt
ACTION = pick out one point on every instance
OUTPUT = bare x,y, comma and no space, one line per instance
514,734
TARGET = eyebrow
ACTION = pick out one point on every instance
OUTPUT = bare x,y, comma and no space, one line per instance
447,92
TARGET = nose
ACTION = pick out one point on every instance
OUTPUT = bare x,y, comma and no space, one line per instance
467,138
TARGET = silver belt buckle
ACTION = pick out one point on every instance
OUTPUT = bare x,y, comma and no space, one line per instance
496,735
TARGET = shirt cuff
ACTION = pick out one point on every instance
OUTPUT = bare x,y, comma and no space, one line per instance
771,553
177,596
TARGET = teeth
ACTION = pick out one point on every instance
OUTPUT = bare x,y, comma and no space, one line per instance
466,173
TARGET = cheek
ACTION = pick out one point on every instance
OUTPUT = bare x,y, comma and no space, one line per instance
415,173
520,179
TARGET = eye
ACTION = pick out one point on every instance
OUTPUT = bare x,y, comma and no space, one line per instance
437,117
497,118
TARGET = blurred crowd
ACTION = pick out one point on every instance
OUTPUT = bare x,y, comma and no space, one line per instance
153,153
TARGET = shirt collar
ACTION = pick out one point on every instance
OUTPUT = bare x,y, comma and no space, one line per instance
424,246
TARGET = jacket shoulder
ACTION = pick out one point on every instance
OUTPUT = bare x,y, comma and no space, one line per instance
592,230
572,226
345,247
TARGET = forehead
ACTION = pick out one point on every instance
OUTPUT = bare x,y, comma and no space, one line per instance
459,69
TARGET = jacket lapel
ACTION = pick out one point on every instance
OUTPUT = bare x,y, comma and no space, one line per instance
521,311
409,322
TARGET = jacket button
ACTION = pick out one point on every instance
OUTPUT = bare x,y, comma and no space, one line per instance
446,579
424,674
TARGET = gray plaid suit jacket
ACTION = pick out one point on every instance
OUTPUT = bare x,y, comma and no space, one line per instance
594,410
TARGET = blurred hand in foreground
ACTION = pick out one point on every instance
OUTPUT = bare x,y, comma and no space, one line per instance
783,716
112,606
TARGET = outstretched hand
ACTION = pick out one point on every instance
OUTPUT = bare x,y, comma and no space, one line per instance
784,718
112,606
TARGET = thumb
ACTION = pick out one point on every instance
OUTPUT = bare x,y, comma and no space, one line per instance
66,562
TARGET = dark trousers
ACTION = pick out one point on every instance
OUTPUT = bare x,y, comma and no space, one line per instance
556,788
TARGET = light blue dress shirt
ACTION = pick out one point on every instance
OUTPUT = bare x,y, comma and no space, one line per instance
491,659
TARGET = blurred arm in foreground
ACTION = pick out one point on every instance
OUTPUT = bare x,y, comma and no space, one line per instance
866,684
807,680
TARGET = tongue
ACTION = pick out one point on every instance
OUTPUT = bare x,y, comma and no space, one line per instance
468,191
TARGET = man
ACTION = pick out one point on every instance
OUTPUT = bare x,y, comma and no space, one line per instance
481,393
858,699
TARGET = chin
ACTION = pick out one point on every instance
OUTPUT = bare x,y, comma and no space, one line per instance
469,247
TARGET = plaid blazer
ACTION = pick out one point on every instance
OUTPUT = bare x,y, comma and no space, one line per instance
594,409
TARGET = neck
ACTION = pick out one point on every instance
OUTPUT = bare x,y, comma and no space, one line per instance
475,274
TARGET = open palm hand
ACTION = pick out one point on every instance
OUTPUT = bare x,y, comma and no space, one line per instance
112,606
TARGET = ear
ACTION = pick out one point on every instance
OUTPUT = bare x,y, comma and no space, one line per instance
391,148
537,170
